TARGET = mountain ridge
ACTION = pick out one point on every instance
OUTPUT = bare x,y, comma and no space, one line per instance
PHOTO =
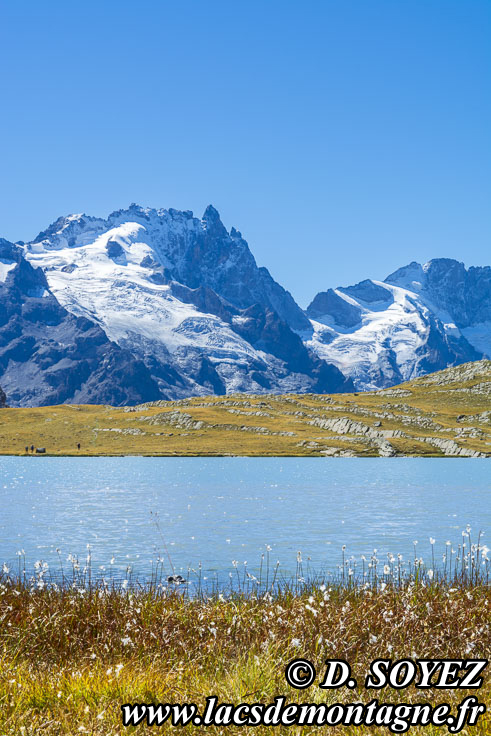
187,301
421,318
443,414
184,297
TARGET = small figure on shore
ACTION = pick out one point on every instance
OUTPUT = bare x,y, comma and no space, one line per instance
27,448
32,448
78,445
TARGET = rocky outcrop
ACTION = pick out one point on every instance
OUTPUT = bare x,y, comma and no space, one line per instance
451,448
346,426
263,329
330,304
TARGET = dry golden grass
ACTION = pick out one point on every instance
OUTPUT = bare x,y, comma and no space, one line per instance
449,405
69,660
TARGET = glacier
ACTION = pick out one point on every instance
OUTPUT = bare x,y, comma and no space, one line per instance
421,319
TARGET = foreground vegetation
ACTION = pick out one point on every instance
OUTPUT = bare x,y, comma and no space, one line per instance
443,414
71,657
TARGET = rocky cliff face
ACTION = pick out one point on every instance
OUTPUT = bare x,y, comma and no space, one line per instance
465,294
458,295
48,356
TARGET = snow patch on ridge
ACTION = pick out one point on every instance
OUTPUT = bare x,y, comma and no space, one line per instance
5,268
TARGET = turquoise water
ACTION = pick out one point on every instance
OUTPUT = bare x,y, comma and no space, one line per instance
216,510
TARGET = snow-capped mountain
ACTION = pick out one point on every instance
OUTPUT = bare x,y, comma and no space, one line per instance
174,246
151,304
185,297
420,319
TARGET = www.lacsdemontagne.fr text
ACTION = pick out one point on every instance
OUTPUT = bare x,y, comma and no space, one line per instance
300,674
397,718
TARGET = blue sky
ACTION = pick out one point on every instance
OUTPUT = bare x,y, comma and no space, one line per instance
344,138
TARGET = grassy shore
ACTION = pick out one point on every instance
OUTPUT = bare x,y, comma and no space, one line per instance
70,658
443,414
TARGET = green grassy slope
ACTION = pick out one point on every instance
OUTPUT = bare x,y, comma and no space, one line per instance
443,414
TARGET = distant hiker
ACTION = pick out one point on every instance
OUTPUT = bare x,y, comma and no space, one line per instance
78,445
32,448
27,448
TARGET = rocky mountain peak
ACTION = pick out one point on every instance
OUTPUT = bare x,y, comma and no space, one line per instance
212,223
211,215
445,283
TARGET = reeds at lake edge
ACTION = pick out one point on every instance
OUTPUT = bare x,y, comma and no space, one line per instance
73,649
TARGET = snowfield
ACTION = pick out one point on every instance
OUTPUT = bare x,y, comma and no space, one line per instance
383,348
